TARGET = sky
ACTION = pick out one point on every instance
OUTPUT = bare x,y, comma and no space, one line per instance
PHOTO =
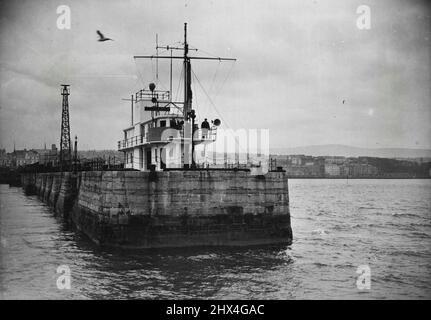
297,61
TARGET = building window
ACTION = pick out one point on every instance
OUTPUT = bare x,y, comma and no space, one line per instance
162,123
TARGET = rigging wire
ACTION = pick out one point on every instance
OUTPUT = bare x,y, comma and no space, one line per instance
139,73
179,83
195,96
208,53
158,82
209,99
224,81
214,77
228,125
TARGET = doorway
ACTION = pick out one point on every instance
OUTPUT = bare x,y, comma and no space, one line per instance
148,158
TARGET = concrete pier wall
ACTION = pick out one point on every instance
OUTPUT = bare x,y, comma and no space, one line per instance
28,182
55,189
67,194
170,208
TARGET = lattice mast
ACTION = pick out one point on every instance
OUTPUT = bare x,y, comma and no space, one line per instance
65,146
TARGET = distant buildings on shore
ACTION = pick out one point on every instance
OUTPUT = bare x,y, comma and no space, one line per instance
20,158
303,166
296,166
50,157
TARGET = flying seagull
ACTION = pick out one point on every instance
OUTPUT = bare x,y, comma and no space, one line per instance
102,37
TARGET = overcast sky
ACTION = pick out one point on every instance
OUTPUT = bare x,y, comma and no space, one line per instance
297,62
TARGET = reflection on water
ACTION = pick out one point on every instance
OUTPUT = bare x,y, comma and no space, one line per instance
337,226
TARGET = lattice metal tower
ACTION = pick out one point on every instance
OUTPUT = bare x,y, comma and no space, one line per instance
65,147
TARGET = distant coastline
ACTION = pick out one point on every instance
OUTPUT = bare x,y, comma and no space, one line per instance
351,151
338,167
297,166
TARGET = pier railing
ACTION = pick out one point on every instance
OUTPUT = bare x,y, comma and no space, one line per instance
97,164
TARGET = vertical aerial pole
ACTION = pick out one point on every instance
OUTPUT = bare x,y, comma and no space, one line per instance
188,112
187,74
186,84
185,145
65,148
157,60
75,155
170,80
131,99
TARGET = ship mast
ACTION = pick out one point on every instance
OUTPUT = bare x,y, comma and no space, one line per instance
186,74
188,112
187,66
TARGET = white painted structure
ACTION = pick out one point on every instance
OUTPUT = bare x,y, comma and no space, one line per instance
159,138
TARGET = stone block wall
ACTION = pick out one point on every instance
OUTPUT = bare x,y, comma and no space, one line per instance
170,208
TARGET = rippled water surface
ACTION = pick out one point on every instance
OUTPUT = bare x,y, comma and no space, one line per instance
338,225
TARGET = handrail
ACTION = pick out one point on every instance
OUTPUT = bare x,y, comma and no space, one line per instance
210,135
132,141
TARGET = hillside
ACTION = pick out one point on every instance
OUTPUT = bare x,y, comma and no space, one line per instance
349,151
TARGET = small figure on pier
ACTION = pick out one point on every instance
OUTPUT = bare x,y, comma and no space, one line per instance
205,124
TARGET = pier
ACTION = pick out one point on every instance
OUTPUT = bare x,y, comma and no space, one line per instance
180,208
